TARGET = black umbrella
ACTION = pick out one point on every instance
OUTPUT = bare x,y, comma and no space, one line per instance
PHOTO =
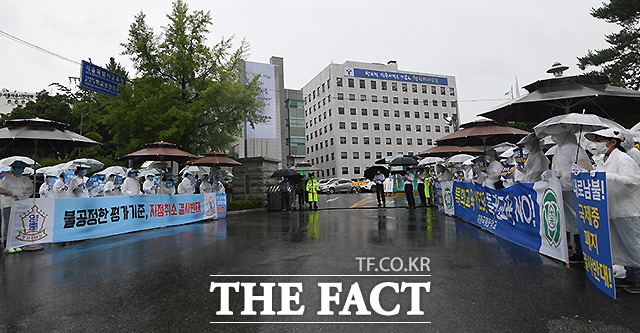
370,172
285,173
404,161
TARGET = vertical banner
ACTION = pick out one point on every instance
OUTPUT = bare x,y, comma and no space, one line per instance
268,129
590,193
221,201
444,195
210,206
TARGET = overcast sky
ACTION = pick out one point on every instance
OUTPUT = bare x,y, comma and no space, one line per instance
484,44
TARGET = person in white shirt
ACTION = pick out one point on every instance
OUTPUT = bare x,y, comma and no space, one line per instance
149,186
205,186
60,188
46,191
13,186
186,186
408,189
110,188
167,185
218,187
379,180
131,186
78,185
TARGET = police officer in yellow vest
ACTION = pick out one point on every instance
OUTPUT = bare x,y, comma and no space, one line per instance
312,190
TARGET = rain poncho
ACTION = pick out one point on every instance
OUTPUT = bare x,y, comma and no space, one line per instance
60,188
149,186
46,191
218,187
130,186
19,186
442,173
166,187
623,190
185,186
493,174
110,189
536,163
78,187
205,187
565,157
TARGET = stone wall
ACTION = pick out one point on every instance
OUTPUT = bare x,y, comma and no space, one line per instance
256,173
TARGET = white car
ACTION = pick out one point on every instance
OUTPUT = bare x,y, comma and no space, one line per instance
363,184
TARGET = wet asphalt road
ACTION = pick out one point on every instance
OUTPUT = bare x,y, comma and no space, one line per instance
159,280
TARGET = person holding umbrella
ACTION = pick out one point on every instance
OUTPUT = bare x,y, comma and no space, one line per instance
110,189
185,186
60,187
13,186
167,184
78,185
379,180
492,177
623,190
45,190
408,189
421,181
312,189
285,190
149,186
131,186
205,186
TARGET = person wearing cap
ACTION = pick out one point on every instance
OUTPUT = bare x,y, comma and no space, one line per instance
131,186
13,186
110,188
312,189
60,188
78,185
494,168
149,186
379,180
623,199
167,184
408,189
186,186
205,186
46,191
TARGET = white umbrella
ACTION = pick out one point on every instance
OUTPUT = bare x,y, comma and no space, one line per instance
578,121
455,159
551,151
8,160
430,160
502,147
196,170
144,172
93,164
508,153
118,170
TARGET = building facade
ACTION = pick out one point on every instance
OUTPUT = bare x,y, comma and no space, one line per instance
12,99
357,113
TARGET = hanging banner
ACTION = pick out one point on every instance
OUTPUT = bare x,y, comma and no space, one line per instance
444,194
530,215
47,220
590,193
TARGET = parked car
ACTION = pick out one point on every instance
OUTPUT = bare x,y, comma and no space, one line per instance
336,186
363,184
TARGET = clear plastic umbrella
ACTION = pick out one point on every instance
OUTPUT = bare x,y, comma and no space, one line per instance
429,160
455,159
94,165
118,170
574,121
8,160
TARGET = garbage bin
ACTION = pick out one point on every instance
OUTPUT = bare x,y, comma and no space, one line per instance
274,198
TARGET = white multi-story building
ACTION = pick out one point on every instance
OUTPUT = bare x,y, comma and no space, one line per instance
12,99
356,113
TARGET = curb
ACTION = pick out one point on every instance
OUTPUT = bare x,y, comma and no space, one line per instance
237,212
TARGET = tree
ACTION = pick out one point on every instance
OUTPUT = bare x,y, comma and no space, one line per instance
188,93
621,61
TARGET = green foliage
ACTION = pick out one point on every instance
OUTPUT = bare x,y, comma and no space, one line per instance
621,61
523,126
244,204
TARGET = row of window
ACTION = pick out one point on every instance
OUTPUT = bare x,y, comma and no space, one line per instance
375,113
17,102
316,92
396,100
398,127
345,170
404,87
366,140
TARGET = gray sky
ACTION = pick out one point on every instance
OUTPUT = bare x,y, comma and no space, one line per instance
484,44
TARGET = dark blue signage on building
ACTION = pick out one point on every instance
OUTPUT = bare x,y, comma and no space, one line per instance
358,72
99,79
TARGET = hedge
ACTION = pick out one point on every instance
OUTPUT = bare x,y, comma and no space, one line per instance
244,204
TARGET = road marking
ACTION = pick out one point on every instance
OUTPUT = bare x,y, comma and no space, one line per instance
362,202
334,199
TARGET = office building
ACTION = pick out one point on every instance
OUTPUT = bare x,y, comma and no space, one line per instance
12,99
357,113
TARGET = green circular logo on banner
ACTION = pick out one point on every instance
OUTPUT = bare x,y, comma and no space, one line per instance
551,218
448,198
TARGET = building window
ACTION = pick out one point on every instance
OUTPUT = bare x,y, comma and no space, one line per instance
446,129
331,140
343,155
343,140
365,140
356,155
425,102
374,98
419,142
383,85
395,100
378,155
405,100
387,127
434,103
333,171
437,129
373,84
354,125
367,155
443,91
394,86
350,83
342,125
407,114
416,115
365,126
345,170
436,115
426,115
362,84
424,88
333,156
376,126
407,128
409,142
340,96
453,104
385,113
418,128
399,141
328,83
340,110
389,153
376,140
363,98
427,128
354,140
385,99
398,127
414,88
433,90
388,141
375,112
352,111
352,97
444,104
452,92
429,142
364,112
396,113
404,87
416,101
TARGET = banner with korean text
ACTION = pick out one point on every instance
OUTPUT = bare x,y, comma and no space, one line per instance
36,221
530,215
592,211
444,195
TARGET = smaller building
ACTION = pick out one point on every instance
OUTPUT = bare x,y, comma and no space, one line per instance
12,99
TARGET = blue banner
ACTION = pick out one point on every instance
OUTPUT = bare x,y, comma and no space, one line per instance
221,202
590,193
99,79
518,153
507,171
358,72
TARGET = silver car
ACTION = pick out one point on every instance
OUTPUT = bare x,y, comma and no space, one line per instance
336,186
